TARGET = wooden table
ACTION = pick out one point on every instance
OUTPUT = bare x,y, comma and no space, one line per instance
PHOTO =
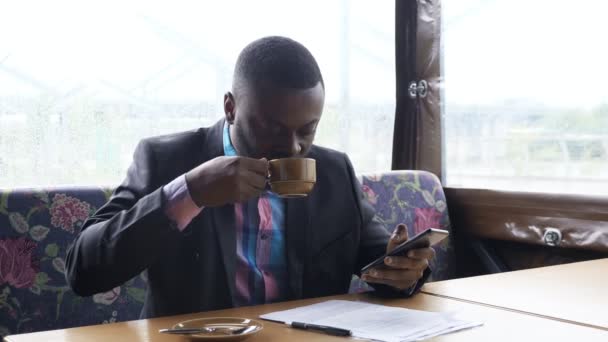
575,293
500,325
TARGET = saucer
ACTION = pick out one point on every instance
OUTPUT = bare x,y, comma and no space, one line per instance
220,322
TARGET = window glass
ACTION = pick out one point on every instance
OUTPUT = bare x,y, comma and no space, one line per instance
525,96
82,83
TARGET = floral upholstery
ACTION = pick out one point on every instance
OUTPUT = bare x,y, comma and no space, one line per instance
37,226
415,198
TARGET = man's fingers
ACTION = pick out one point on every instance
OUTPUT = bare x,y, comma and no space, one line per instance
259,166
401,285
247,191
422,253
398,237
406,263
400,233
395,275
255,180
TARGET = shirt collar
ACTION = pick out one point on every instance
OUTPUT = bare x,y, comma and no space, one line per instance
229,149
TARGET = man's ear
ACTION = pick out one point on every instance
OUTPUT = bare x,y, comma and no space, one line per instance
229,106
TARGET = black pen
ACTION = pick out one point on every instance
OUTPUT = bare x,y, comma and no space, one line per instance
321,328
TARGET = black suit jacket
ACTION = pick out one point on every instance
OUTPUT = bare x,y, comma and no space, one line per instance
330,234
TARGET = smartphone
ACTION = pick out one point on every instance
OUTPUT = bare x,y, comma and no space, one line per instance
424,239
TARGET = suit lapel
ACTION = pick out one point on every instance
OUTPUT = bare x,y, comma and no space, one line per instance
296,230
224,223
212,143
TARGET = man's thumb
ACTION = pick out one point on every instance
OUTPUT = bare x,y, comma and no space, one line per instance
399,236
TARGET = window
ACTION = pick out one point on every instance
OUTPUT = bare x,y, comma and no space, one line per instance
81,84
525,98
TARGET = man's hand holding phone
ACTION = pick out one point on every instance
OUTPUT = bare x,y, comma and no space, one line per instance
400,271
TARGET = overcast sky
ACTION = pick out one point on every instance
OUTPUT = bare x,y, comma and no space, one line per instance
546,51
175,50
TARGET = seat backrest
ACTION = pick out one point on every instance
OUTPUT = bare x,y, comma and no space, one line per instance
36,228
38,225
415,198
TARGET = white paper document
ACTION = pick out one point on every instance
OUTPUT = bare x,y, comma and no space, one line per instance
374,322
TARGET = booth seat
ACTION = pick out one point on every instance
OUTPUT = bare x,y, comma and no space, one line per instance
38,225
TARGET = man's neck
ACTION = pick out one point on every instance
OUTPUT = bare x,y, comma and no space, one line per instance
234,141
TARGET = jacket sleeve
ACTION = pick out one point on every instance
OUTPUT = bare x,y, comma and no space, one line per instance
126,235
374,238
374,235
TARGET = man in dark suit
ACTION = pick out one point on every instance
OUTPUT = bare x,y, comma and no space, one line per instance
194,211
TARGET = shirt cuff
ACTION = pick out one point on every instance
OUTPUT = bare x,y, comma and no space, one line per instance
179,206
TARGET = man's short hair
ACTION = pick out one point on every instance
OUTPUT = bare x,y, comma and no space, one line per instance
278,61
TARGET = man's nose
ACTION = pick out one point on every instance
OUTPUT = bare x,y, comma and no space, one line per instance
291,146
295,147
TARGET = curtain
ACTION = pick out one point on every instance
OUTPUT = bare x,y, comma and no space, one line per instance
417,141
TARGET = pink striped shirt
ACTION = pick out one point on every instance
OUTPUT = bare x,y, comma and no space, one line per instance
261,270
